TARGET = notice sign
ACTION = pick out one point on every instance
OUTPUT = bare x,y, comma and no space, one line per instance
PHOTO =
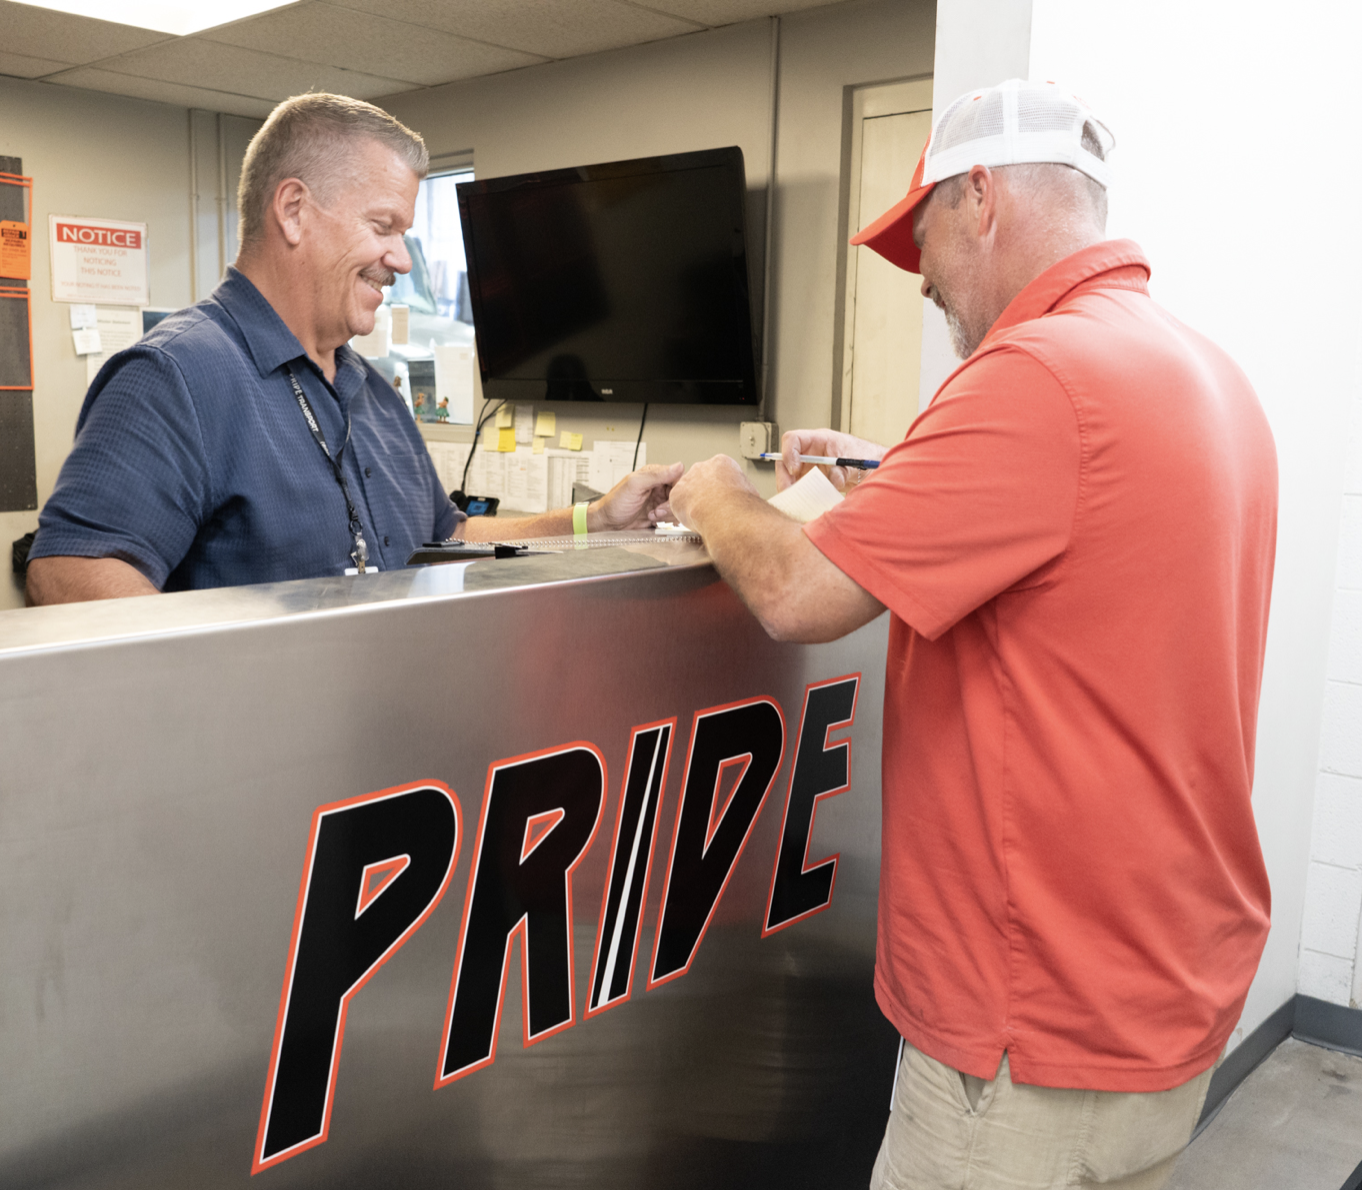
14,254
98,260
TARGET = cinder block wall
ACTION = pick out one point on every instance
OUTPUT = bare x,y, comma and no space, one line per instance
1329,967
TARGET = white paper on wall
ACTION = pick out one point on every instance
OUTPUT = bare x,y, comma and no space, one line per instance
524,424
449,458
487,475
612,461
118,327
565,468
527,480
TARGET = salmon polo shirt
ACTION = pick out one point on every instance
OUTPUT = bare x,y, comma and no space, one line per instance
1075,541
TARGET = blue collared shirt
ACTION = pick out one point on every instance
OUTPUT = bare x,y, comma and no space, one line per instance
194,463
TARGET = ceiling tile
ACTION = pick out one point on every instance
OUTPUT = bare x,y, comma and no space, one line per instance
730,12
553,28
362,41
94,79
24,67
196,63
42,33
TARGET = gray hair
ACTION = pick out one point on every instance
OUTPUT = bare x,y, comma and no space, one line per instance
949,191
311,137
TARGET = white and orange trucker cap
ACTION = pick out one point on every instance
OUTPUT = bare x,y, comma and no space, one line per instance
1014,123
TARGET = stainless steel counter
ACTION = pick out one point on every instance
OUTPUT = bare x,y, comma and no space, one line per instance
188,780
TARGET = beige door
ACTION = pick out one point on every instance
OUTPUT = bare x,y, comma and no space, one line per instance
882,336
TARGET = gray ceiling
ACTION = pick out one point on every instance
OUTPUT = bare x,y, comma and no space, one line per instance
364,48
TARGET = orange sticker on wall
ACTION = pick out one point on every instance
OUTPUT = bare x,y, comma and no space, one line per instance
15,254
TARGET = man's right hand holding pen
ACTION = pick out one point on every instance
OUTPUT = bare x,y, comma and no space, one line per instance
788,584
829,443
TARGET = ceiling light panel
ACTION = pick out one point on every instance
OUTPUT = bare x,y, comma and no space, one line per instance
165,16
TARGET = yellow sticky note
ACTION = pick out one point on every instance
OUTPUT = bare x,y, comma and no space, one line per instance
505,417
538,446
569,441
489,438
506,439
546,425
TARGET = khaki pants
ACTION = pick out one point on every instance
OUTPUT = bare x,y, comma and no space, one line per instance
950,1131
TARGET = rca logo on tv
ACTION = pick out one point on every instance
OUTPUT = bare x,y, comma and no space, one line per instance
99,237
377,866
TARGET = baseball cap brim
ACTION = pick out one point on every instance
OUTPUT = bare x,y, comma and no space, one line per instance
891,235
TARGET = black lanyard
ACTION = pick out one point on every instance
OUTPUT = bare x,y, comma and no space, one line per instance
360,554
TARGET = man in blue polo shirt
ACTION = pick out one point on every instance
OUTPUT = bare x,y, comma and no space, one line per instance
243,440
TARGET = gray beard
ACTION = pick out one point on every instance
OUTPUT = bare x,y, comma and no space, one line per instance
964,341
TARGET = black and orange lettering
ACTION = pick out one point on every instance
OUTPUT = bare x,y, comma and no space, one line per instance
709,837
631,862
376,867
819,771
539,815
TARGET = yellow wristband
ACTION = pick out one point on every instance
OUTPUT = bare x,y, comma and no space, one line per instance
579,519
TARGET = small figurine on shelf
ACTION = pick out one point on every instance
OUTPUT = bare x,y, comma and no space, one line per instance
442,409
418,403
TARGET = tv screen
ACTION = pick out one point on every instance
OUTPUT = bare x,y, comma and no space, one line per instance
617,282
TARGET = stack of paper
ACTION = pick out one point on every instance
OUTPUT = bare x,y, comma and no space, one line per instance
810,497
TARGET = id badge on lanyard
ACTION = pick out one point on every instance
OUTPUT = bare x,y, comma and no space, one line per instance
360,553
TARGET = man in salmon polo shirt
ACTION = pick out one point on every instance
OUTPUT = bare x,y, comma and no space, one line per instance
1075,545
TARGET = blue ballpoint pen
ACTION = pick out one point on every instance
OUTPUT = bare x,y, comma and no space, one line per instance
826,460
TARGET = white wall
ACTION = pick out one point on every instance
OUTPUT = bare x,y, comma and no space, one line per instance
1211,104
1329,967
978,43
101,155
696,92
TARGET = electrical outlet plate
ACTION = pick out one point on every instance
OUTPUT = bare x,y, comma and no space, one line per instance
755,438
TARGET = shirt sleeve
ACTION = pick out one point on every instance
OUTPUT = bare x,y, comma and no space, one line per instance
980,495
447,517
447,522
136,483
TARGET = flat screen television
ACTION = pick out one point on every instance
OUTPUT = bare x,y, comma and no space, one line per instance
618,282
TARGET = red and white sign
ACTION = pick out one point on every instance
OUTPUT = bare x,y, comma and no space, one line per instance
98,260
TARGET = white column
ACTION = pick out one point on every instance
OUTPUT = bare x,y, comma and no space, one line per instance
1230,174
978,43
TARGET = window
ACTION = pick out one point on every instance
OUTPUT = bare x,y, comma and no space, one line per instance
442,284
435,294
